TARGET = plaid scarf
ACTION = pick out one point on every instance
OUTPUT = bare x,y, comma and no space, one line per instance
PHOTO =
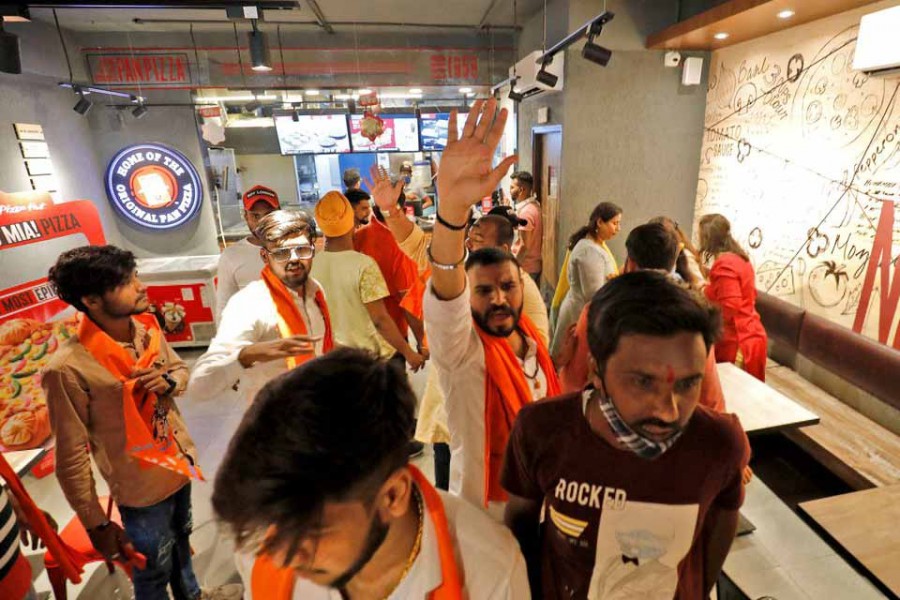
628,437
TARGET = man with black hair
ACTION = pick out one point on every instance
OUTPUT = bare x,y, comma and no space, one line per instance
528,247
111,389
317,487
490,358
640,486
273,324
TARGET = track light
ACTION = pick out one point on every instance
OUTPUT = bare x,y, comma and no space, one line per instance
10,56
253,105
545,76
83,105
259,49
515,96
295,116
139,111
596,54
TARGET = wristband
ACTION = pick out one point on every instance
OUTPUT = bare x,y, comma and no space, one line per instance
448,225
446,267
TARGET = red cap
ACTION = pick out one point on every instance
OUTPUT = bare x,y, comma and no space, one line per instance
260,193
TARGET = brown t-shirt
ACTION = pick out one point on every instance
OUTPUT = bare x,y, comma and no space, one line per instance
615,525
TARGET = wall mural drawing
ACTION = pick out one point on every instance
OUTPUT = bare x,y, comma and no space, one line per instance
802,154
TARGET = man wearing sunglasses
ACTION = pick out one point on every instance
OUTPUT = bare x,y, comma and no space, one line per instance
273,324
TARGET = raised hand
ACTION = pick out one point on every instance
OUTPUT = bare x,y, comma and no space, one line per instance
384,194
277,349
466,176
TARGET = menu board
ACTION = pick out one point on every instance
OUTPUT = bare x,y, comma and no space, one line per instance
434,129
313,134
401,134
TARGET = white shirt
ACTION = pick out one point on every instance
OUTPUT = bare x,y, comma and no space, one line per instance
239,265
487,555
458,355
250,317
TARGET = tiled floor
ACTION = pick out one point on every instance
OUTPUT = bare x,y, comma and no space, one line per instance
211,424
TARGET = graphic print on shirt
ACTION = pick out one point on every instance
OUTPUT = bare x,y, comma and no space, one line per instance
639,548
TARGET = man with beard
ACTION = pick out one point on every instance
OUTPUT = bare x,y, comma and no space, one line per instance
318,490
490,358
110,389
273,324
528,247
630,470
238,265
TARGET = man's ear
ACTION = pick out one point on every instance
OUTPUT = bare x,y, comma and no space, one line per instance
630,266
395,494
594,374
262,256
92,302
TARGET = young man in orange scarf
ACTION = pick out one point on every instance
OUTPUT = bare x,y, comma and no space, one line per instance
111,388
490,358
318,489
272,324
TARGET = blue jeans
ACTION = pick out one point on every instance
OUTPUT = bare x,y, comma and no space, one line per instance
162,533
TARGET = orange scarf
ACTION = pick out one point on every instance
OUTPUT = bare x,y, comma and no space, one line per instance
289,320
268,581
506,392
138,407
70,560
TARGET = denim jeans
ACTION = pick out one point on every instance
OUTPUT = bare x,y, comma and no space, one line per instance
162,533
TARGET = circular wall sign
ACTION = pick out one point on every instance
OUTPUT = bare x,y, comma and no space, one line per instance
154,186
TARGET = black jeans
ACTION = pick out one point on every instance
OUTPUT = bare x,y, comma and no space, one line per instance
442,466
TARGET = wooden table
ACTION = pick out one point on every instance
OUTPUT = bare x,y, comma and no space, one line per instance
865,525
760,407
23,460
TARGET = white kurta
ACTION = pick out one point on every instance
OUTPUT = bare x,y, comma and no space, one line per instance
590,266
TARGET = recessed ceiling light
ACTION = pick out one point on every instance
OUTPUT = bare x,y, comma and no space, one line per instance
721,36
465,90
365,91
785,14
312,92
415,91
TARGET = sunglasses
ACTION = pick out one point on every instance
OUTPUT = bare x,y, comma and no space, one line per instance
284,254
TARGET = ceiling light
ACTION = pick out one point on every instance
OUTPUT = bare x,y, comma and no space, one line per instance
312,92
83,105
596,54
365,91
546,77
10,56
259,50
785,14
516,96
295,116
721,36
139,111
465,90
415,91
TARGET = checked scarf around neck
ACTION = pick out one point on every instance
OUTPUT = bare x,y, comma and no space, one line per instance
145,440
506,391
290,322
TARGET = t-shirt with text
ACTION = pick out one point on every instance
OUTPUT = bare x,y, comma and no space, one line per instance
615,525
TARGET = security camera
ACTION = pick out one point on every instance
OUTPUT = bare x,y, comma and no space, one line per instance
672,59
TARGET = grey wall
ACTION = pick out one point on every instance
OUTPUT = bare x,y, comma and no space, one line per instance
631,131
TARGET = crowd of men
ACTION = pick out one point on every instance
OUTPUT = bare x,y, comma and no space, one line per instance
625,484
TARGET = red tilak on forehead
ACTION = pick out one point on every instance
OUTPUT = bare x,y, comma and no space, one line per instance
670,374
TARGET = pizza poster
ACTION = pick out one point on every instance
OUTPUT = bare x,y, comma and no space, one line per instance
33,232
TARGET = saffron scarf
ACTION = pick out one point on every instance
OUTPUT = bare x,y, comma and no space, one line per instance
138,406
70,561
290,322
506,392
268,581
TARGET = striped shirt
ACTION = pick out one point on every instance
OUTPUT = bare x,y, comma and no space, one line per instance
9,535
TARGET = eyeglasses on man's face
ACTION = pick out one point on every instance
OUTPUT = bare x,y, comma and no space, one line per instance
284,254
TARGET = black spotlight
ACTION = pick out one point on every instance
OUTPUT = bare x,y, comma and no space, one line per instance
546,77
595,54
253,105
259,50
515,96
10,57
139,111
83,105
295,116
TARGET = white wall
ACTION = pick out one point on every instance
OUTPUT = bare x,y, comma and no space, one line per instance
778,156
271,170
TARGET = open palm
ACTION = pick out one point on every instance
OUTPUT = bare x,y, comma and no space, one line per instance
384,194
465,175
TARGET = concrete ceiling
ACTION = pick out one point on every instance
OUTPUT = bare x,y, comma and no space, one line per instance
339,14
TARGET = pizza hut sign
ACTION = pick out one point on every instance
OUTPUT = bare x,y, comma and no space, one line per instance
153,186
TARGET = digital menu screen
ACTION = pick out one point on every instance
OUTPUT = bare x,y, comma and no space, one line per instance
313,134
434,128
401,134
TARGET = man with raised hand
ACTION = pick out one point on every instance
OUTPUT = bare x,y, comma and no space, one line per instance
273,324
490,358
